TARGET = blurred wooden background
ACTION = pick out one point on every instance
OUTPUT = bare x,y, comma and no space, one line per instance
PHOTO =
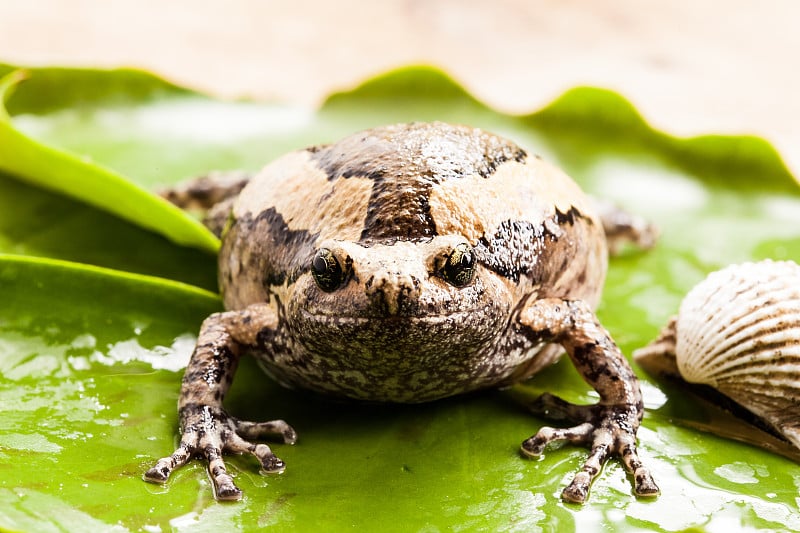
727,66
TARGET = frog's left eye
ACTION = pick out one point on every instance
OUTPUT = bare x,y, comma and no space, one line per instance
327,271
459,269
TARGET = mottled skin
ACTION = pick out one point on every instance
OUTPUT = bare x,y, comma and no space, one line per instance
405,264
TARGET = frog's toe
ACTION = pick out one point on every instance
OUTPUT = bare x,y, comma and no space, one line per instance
535,445
578,490
224,487
643,483
227,492
161,471
554,408
270,463
272,429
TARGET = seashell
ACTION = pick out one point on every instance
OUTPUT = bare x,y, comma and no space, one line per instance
738,331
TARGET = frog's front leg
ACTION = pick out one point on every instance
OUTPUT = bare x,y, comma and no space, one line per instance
608,427
206,429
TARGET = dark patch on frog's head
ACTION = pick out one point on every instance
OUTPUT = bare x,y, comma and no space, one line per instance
405,162
398,210
570,217
513,250
521,248
267,247
290,250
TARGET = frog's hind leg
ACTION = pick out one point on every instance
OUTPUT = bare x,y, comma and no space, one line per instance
203,192
212,195
622,227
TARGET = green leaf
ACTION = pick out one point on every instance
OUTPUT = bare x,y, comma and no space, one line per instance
94,184
37,222
89,399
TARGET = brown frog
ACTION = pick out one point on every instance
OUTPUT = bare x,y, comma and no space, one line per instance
405,264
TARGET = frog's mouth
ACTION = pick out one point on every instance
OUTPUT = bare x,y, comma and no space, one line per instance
334,320
398,358
398,338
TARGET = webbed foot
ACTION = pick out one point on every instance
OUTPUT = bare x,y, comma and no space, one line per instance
208,432
608,430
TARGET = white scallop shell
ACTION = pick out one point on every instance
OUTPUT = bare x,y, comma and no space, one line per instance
739,332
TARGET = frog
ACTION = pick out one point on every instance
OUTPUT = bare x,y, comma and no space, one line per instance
408,263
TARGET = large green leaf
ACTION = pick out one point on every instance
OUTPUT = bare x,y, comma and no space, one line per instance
95,184
37,222
89,399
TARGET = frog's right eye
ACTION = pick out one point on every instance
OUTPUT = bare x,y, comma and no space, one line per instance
327,271
459,269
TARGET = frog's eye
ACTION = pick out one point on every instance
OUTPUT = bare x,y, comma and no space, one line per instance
327,271
459,269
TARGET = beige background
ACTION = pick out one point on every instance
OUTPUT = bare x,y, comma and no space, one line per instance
691,66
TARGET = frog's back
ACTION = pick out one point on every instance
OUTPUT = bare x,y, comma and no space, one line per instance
410,182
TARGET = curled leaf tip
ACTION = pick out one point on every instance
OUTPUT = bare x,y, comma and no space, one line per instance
8,83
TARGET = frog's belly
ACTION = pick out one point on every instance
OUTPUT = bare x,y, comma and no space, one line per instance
390,374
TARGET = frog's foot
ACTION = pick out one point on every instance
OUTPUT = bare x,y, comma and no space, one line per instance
607,429
213,195
623,227
203,192
209,432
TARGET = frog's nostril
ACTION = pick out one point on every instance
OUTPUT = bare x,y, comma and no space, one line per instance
390,292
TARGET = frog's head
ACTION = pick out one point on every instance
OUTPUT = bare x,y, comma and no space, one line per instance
393,296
